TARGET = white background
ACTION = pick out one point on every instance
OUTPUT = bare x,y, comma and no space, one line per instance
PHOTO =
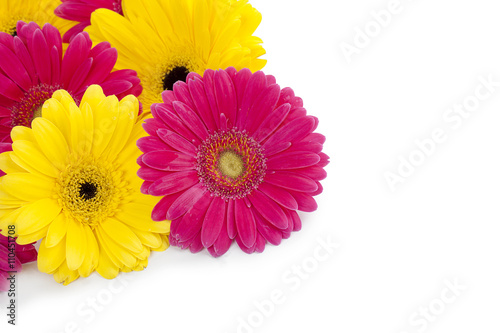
397,248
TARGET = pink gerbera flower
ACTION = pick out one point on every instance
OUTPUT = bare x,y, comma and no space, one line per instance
81,10
32,67
234,157
12,256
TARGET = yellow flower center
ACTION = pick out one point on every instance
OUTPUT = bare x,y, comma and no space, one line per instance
91,192
231,164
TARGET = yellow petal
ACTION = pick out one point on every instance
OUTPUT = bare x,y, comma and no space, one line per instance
28,156
7,165
106,268
92,256
122,235
105,119
51,142
33,237
49,259
57,230
37,215
76,244
28,187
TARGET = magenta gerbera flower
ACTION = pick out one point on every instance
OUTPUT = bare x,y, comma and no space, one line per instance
234,157
32,67
12,256
81,10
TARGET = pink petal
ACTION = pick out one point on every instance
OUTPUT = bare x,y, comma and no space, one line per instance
292,160
291,181
273,120
151,125
196,245
197,90
279,195
173,183
268,209
181,93
79,76
13,68
226,95
263,106
311,147
101,67
115,87
255,85
297,223
213,222
243,247
150,174
231,221
208,78
313,172
191,120
192,221
306,202
260,244
295,130
76,53
53,38
223,242
185,201
151,143
25,58
324,160
9,89
177,142
245,223
71,33
169,161
277,148
172,121
240,83
270,233
56,65
160,210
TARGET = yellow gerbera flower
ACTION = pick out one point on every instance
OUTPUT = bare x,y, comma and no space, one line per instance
164,40
71,181
39,11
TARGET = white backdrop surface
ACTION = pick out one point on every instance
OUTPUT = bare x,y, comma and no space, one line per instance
405,239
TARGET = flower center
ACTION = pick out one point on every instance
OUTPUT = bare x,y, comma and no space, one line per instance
231,164
90,192
178,73
30,106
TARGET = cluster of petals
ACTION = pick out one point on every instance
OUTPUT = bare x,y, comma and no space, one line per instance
12,256
241,114
32,67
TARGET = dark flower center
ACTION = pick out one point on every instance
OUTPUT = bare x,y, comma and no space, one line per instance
176,74
14,32
88,190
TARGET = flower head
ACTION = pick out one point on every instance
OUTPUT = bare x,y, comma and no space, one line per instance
38,11
12,256
164,40
233,157
71,182
32,68
79,11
